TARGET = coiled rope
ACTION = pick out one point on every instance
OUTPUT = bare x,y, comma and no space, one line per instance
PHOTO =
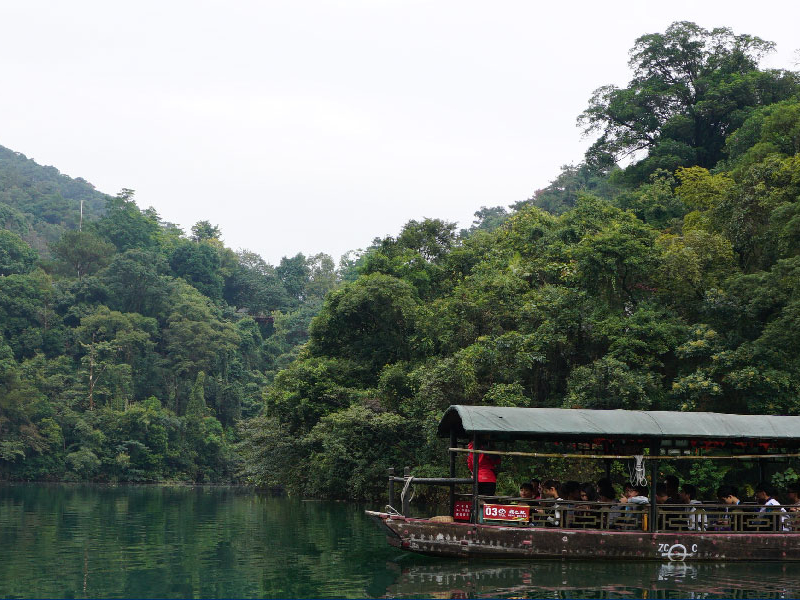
637,475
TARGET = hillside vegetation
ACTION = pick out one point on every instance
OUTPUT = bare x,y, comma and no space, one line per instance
129,351
660,273
669,284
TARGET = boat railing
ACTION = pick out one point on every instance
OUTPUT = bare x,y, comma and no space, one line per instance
711,518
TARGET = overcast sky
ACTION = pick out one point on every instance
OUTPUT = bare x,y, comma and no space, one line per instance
316,126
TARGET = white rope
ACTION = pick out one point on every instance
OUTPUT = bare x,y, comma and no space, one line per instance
393,511
405,489
637,474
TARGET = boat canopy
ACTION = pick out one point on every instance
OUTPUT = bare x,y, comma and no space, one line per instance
587,425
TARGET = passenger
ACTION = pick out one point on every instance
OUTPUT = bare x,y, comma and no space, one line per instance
793,506
634,495
606,483
588,492
673,489
606,494
526,491
586,513
661,494
487,469
688,496
793,495
537,488
765,496
727,495
632,499
550,491
571,493
605,491
571,490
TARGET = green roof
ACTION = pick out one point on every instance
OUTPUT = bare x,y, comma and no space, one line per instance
566,423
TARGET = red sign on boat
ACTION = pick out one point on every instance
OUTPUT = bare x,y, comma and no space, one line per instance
461,510
506,512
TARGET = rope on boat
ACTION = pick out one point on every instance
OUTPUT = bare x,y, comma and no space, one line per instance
393,511
637,474
405,489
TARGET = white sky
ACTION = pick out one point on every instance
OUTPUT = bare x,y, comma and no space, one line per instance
316,126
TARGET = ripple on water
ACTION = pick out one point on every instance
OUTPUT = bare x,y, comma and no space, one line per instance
175,542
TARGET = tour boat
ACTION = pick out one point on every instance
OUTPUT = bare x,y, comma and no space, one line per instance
502,527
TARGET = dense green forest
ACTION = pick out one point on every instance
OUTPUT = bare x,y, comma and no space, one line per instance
661,273
129,351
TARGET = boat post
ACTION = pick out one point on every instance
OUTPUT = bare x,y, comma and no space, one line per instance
654,451
390,470
475,458
453,442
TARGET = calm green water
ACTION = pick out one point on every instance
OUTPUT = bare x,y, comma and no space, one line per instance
140,541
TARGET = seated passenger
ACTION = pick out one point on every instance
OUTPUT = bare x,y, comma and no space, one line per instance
607,495
673,488
661,494
632,499
793,496
550,492
571,493
526,491
765,496
688,495
571,490
588,492
635,495
727,495
793,506
537,488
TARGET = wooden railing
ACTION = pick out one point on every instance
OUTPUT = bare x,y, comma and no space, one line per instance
705,518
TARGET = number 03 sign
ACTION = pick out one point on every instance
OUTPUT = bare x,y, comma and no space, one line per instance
504,512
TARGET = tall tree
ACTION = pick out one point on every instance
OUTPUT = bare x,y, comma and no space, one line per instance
82,252
15,255
691,88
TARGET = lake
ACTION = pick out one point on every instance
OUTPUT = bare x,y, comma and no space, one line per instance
83,541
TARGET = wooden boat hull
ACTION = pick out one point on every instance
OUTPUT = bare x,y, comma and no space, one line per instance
469,540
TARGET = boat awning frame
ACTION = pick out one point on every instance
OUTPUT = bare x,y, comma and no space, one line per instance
564,424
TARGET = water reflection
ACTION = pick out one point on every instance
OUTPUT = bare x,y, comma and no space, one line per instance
585,579
67,541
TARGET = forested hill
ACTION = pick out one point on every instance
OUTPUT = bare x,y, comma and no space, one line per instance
129,351
669,284
662,272
38,202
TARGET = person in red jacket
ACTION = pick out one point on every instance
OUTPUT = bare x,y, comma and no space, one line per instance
487,470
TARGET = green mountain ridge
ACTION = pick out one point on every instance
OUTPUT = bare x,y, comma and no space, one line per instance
39,202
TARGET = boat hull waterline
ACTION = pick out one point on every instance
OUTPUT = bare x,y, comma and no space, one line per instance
469,540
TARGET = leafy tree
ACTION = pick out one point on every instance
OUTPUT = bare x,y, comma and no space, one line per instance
136,282
691,88
198,264
16,257
126,226
255,285
204,231
82,253
294,273
370,321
